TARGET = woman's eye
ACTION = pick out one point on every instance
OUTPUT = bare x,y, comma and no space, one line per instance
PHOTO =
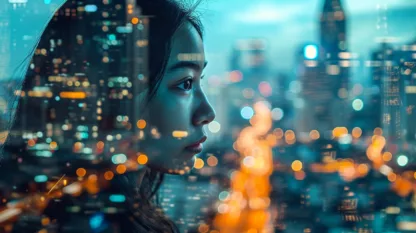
186,85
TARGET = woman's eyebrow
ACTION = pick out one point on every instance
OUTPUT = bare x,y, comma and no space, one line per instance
188,64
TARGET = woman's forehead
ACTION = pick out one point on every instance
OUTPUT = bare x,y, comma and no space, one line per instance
187,45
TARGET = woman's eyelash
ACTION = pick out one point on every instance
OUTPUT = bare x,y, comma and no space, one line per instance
189,79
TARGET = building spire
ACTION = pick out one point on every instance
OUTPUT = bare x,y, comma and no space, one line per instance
332,5
333,28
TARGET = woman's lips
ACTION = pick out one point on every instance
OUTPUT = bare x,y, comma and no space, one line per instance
197,147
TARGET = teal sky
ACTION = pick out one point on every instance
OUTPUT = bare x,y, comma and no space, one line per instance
285,24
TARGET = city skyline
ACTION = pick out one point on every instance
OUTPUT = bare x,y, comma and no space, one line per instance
284,34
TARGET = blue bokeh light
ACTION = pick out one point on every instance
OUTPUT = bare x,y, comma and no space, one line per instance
247,112
96,221
311,51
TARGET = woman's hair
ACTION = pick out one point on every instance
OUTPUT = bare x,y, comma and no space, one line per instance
167,17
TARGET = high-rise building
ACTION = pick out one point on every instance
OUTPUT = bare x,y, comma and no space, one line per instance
333,38
314,93
336,58
392,90
408,73
323,72
384,53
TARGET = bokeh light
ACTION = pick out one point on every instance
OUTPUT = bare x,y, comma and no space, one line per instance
311,51
402,160
247,112
357,104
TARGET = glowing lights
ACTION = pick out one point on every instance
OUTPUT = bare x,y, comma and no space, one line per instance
31,142
96,221
391,177
345,139
142,159
356,132
311,52
387,156
277,114
53,145
78,146
121,169
223,208
265,89
212,161
81,172
402,160
236,76
141,124
214,127
363,169
339,131
357,104
100,145
378,131
385,170
119,158
314,134
199,163
296,165
73,95
300,175
118,198
203,228
135,20
112,37
249,161
223,195
247,112
90,8
290,137
179,134
108,175
41,178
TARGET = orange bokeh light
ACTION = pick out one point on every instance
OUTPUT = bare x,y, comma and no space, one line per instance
141,124
142,159
81,172
135,20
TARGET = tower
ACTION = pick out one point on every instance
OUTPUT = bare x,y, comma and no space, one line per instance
336,61
333,29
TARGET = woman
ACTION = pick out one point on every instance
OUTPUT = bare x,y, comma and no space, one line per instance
173,103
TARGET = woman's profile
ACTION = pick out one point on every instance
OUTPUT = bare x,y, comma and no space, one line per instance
170,109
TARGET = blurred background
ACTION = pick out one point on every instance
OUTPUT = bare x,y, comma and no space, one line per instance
315,127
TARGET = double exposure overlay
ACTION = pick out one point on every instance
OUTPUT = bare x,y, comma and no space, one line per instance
231,116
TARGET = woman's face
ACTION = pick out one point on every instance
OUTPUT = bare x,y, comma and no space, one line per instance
179,109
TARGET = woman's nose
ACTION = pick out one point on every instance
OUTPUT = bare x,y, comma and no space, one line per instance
204,113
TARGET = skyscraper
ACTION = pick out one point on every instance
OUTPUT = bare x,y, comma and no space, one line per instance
384,53
409,73
336,58
333,29
323,70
